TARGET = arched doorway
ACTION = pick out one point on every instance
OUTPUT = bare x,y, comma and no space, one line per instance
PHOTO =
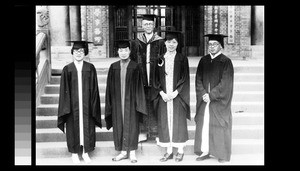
125,23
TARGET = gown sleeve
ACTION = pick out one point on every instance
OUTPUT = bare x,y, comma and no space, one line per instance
140,93
95,98
134,50
156,81
200,90
64,104
183,86
223,90
221,95
156,85
162,48
108,102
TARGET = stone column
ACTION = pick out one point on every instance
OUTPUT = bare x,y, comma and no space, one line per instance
75,22
257,28
59,25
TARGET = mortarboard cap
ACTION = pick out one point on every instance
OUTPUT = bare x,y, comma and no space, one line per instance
80,44
173,34
149,17
217,37
123,43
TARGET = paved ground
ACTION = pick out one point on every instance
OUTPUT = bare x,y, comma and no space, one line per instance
238,159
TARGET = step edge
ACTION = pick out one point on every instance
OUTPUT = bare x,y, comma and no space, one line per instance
103,104
108,143
190,128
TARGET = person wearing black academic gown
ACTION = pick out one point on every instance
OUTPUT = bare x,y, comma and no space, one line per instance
214,89
145,50
79,103
172,98
125,102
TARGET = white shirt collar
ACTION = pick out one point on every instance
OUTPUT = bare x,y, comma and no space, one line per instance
78,64
213,56
125,62
148,36
170,53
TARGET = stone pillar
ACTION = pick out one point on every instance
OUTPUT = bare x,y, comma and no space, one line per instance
75,22
59,25
257,22
245,32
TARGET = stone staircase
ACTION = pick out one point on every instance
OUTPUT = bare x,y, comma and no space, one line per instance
247,111
258,51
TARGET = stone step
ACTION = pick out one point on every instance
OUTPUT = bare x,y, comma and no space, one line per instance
106,148
193,70
258,54
245,96
51,109
238,119
248,86
240,96
239,66
238,86
248,69
257,50
238,132
238,77
254,159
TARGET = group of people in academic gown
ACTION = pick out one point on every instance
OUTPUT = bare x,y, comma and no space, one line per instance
79,103
148,95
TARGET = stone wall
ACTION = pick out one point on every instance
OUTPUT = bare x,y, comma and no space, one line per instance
95,28
95,24
240,48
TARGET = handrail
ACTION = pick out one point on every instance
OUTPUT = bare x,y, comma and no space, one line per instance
43,62
39,42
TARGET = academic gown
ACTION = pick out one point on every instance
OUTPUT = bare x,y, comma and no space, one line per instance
125,135
219,73
139,54
181,103
68,107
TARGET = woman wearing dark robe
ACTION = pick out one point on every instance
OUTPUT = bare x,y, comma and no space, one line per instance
172,98
214,89
79,103
125,103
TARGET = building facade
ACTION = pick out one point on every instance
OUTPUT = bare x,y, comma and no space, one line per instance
103,25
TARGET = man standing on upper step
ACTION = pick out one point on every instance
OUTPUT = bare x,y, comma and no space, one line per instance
214,89
79,103
145,50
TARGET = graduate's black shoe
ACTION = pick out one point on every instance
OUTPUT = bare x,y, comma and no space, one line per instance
222,161
203,157
166,157
118,159
179,157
